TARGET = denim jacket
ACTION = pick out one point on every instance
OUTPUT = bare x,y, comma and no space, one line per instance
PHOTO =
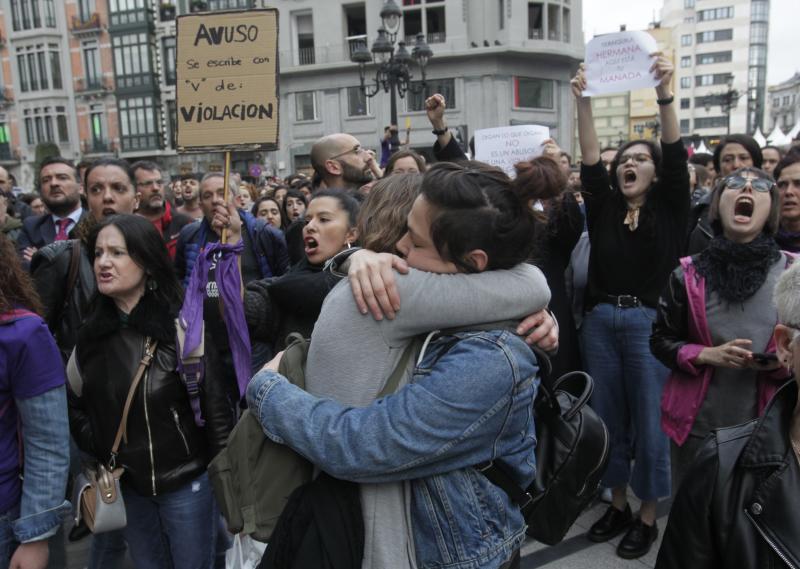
470,401
45,436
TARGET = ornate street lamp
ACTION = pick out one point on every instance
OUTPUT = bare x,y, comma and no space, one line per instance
393,74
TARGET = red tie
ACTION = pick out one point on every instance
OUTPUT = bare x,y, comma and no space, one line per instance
62,229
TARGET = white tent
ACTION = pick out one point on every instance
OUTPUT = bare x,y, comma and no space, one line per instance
794,132
702,148
759,137
777,138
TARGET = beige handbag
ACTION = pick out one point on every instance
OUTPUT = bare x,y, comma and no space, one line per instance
96,495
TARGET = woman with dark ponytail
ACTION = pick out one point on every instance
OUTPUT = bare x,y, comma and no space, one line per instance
637,220
469,399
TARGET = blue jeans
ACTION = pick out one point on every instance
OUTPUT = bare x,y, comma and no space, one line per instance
628,381
177,530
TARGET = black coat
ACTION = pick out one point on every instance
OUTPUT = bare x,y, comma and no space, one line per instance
64,310
161,424
738,504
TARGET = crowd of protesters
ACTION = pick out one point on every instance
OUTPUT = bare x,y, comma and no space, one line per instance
651,269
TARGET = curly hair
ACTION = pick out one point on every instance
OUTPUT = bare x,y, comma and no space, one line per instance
16,286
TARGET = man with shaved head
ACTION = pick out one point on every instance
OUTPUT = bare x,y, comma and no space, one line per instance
341,162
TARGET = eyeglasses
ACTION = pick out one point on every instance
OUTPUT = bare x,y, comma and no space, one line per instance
151,183
355,150
638,157
739,182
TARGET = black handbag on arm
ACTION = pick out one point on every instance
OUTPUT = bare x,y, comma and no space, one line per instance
571,456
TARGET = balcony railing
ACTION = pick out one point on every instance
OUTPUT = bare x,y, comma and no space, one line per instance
306,56
92,25
97,146
356,42
433,37
535,33
93,86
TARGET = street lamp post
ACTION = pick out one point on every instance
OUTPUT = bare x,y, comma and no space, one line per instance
393,74
726,101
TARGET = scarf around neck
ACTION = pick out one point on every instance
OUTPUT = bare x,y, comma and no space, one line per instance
737,270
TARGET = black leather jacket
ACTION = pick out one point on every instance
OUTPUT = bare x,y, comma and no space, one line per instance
738,504
164,447
671,328
63,310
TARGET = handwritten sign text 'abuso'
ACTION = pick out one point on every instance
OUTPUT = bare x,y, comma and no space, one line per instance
227,82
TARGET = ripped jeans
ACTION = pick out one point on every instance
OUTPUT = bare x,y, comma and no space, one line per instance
175,530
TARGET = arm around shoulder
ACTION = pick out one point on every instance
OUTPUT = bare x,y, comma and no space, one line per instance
433,301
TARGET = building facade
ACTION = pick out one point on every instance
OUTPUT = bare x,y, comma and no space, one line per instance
97,77
644,122
721,65
501,62
784,104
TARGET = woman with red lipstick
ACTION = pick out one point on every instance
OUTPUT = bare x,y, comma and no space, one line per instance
276,307
637,219
169,503
715,319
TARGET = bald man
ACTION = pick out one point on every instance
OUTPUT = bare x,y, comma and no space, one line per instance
341,162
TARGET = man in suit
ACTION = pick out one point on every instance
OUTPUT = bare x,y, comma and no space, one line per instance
61,192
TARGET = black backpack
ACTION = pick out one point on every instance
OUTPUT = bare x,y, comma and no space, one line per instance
571,456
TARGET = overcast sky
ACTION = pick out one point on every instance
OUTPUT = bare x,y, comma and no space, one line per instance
604,16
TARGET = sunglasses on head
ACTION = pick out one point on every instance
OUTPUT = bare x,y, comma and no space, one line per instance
739,182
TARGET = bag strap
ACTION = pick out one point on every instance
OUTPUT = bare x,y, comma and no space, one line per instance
191,368
400,370
147,358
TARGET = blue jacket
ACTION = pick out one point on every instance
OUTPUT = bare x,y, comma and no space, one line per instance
470,401
266,243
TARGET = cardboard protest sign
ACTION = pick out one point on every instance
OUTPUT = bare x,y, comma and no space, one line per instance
505,146
620,62
227,81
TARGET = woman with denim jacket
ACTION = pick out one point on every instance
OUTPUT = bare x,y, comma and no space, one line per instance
469,401
33,413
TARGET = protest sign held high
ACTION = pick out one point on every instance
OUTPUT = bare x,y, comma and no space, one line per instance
620,62
227,86
505,146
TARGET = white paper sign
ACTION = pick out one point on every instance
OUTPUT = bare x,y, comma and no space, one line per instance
506,145
620,62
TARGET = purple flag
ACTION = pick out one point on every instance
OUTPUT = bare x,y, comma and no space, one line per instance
228,281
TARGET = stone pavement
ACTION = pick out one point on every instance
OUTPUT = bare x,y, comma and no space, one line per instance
575,552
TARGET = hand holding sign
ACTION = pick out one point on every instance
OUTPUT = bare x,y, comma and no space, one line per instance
619,62
662,68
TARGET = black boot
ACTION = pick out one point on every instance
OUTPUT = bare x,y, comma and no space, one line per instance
613,523
638,540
